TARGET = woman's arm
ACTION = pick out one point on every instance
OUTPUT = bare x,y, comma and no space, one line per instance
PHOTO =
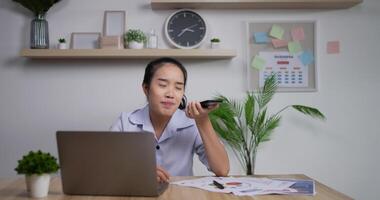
216,154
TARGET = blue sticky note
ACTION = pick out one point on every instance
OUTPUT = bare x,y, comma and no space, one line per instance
306,57
261,38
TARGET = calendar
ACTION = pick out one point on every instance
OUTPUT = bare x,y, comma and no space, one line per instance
289,70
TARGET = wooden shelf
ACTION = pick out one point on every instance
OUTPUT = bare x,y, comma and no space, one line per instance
254,4
127,53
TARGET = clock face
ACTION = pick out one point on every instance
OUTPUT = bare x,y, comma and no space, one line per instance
185,29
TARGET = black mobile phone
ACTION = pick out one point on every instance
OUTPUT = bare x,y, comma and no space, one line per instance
207,103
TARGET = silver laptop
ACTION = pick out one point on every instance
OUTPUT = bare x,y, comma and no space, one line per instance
108,163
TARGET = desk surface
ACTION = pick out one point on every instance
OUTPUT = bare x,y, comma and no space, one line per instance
15,190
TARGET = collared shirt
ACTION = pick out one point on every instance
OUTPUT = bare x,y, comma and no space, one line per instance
177,144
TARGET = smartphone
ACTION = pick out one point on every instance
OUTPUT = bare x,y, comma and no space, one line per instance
207,103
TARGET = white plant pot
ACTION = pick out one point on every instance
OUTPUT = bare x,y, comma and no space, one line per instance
37,185
215,45
62,46
135,45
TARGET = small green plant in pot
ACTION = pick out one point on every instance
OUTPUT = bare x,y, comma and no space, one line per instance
37,167
215,43
245,125
135,39
62,43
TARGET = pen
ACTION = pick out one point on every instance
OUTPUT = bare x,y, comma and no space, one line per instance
218,185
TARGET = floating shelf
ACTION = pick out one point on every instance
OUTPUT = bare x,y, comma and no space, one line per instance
254,4
127,53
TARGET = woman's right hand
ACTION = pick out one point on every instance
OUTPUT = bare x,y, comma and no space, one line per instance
162,175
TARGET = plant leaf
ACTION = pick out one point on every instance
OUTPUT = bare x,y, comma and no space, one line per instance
313,112
269,89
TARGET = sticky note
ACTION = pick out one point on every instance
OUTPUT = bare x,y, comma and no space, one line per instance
333,47
261,37
298,34
258,63
294,47
306,57
279,43
277,31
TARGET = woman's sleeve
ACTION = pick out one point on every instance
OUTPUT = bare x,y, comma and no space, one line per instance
118,124
200,150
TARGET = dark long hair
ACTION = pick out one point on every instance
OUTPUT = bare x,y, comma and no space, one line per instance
154,65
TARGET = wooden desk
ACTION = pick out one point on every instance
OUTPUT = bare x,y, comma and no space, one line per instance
15,190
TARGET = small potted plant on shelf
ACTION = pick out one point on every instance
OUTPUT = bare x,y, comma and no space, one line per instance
62,43
135,39
37,167
215,43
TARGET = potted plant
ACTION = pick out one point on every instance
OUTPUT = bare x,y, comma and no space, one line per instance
135,39
39,35
62,43
245,125
215,43
37,167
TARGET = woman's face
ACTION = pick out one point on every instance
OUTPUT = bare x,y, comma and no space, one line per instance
166,90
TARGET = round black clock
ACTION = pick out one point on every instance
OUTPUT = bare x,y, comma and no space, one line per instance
185,29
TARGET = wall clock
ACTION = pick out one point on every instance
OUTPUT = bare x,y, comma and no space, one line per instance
185,29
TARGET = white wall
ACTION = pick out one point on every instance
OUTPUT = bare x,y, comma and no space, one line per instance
39,97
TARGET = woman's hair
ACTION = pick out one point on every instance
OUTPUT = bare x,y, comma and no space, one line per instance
154,65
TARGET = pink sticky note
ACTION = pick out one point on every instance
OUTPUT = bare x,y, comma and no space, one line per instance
333,47
298,34
279,43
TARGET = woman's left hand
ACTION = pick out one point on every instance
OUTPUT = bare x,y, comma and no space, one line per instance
195,111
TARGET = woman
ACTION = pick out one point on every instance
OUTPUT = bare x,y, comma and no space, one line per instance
179,134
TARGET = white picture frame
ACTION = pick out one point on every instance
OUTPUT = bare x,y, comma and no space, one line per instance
310,43
114,22
85,40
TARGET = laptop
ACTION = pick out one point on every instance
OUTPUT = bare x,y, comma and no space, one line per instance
108,163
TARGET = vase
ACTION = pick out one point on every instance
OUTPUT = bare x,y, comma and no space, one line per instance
38,185
215,45
39,33
135,45
251,163
62,46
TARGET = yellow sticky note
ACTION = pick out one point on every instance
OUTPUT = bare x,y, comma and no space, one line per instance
294,47
258,63
277,32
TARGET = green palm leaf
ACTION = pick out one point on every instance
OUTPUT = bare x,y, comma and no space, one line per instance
37,6
313,112
269,89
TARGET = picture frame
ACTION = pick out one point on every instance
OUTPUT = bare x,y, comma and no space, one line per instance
85,40
305,79
114,23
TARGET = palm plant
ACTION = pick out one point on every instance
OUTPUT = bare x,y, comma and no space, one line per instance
244,125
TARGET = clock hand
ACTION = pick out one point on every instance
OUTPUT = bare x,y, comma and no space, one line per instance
187,29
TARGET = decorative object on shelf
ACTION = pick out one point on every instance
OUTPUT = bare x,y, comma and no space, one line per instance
39,32
185,29
110,42
244,125
135,39
215,43
62,43
37,167
152,40
114,23
85,40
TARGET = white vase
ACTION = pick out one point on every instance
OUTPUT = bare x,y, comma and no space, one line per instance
135,45
215,45
37,185
62,46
